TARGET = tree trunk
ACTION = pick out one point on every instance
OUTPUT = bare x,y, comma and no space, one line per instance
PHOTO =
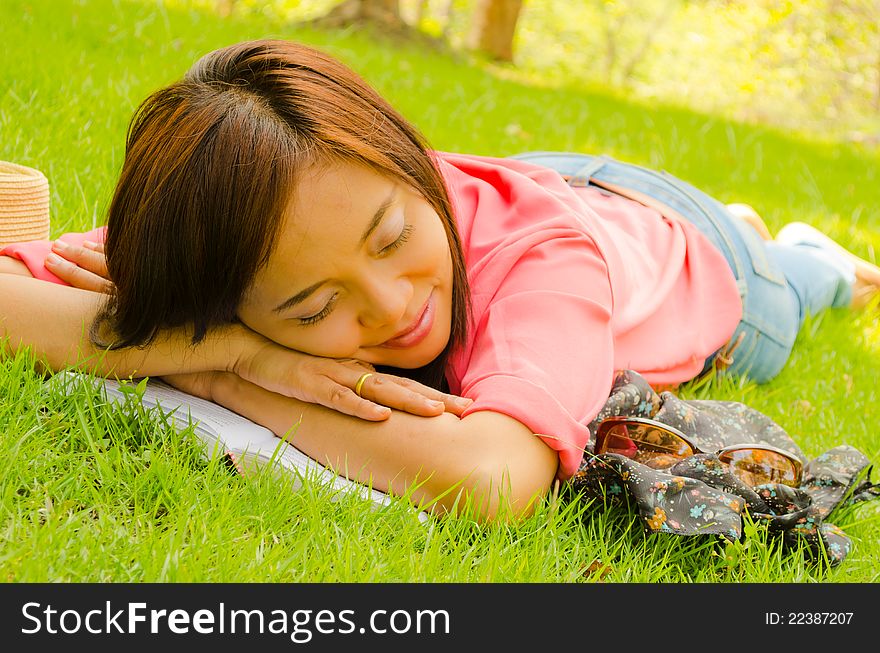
494,27
384,13
877,97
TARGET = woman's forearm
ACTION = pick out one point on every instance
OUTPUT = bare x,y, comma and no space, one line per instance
54,321
489,457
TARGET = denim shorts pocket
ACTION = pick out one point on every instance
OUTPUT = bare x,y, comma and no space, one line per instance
762,265
761,357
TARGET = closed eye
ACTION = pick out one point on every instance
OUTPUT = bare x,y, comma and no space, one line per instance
401,239
405,234
320,315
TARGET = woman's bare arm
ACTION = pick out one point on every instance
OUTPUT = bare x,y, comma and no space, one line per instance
10,265
54,320
483,455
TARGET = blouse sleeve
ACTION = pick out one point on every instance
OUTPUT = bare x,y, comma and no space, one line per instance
542,349
33,253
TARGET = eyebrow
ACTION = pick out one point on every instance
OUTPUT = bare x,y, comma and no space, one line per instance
302,295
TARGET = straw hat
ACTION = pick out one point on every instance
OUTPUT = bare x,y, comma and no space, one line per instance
24,204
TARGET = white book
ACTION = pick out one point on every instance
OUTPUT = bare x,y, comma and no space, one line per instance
223,432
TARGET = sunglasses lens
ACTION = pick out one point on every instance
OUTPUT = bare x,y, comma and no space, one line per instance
647,444
759,466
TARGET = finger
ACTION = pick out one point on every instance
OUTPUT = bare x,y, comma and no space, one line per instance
452,403
76,276
87,259
410,396
345,400
92,245
380,389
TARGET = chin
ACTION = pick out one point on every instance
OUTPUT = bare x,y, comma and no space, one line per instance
408,359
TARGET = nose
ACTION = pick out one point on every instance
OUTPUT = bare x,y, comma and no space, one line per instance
384,302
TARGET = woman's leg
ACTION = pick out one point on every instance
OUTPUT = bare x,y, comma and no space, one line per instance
819,274
862,276
815,282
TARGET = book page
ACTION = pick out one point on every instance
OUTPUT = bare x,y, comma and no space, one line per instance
221,419
223,431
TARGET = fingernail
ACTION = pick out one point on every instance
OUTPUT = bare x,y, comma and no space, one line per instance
436,404
464,401
89,244
60,245
56,261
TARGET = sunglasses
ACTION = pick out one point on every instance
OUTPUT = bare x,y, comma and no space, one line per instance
660,446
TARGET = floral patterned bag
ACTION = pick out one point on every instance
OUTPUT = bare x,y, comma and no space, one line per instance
699,494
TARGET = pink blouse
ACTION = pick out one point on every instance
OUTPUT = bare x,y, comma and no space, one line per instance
568,285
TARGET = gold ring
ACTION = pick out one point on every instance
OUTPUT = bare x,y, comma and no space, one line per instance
360,383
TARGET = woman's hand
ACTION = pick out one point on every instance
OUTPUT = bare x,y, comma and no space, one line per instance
199,384
332,383
329,376
83,267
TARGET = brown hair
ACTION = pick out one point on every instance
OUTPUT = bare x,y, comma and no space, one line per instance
210,163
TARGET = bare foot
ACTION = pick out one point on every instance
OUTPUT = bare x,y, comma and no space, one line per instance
864,293
748,214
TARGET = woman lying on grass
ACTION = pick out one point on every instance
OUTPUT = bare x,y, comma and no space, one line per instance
282,242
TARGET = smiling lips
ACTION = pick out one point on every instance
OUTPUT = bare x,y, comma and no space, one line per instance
418,331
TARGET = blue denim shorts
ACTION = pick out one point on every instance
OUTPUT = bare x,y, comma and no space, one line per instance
769,325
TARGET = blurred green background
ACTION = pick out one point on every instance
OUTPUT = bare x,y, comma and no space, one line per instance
806,65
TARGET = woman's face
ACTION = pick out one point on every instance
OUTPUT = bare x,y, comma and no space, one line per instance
362,269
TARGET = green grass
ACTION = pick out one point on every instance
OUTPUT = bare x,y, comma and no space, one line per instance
89,493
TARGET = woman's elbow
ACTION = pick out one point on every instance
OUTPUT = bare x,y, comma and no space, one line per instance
512,484
514,472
